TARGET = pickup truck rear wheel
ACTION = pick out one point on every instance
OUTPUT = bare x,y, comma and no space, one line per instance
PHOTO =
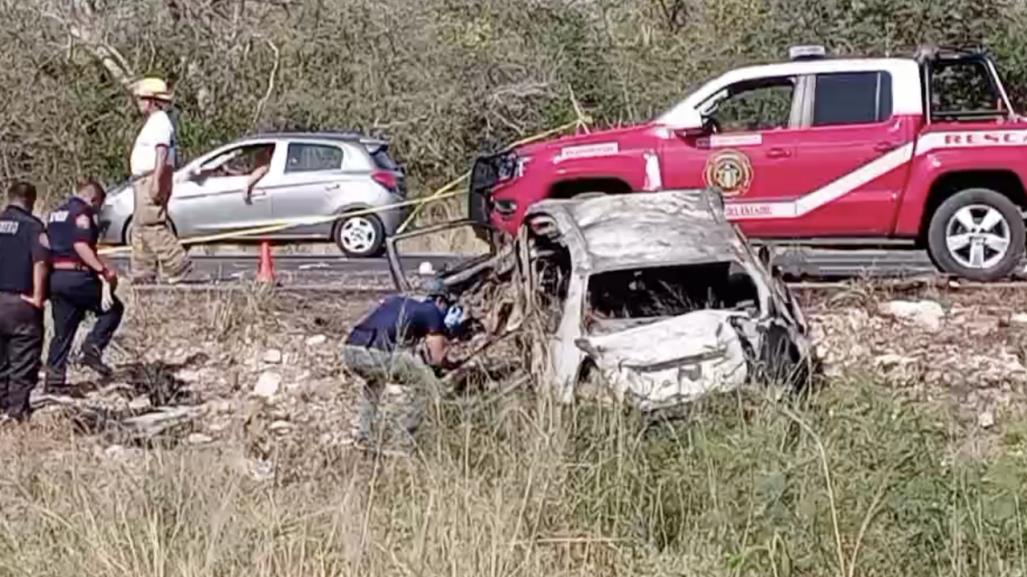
977,234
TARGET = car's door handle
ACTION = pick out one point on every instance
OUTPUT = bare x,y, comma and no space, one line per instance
332,187
885,146
778,153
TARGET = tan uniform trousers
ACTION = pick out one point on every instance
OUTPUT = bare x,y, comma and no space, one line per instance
153,243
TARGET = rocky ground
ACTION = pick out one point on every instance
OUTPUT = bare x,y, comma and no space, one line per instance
261,370
964,348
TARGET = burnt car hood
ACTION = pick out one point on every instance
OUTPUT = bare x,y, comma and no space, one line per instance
672,361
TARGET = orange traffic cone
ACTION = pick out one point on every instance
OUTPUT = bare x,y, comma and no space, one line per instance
266,269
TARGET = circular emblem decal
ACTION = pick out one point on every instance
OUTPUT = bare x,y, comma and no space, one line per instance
730,171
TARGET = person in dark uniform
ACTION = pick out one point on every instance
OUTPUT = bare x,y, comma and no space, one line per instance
80,283
23,272
381,350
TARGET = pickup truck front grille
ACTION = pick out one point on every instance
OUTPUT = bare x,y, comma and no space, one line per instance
488,171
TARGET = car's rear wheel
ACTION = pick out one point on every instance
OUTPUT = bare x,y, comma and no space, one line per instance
977,234
360,236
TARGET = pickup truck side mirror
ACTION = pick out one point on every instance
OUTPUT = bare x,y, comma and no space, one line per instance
689,123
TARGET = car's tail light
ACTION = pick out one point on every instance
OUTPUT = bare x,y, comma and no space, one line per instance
386,179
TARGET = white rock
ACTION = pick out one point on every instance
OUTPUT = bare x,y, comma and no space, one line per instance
273,357
280,426
114,451
260,470
1019,319
927,314
139,404
267,385
198,439
189,376
317,340
120,452
986,420
892,360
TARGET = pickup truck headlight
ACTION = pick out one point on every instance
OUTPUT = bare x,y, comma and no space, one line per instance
505,207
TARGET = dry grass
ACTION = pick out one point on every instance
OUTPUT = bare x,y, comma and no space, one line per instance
850,480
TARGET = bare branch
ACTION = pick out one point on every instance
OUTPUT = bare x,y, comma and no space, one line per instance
270,82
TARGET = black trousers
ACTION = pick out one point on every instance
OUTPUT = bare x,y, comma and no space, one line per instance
72,295
21,345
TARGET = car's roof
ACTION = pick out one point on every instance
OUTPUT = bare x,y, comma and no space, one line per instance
640,230
318,135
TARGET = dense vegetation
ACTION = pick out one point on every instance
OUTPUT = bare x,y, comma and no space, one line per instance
441,78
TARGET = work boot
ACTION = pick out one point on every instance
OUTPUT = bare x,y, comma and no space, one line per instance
56,385
92,359
181,276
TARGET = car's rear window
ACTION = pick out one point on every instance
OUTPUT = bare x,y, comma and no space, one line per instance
381,158
304,157
669,290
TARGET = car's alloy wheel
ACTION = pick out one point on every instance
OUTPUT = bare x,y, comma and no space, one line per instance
360,236
977,234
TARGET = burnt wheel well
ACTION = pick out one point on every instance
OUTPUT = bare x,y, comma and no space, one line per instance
1004,182
571,188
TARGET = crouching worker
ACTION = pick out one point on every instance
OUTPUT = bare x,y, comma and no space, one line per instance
80,283
382,349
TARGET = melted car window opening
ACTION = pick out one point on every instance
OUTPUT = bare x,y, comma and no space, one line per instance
670,291
552,271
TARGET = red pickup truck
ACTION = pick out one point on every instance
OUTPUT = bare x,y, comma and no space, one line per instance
922,151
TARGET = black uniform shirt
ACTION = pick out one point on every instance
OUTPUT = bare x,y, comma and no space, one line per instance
23,243
72,222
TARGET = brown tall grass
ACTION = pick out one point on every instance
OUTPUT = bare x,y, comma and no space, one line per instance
847,481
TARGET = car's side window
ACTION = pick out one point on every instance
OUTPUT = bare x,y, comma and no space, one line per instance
754,105
239,161
852,98
313,157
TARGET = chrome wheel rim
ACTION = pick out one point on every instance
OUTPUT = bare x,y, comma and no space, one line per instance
977,236
357,235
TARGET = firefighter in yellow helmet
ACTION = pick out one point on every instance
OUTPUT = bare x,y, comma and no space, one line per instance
153,163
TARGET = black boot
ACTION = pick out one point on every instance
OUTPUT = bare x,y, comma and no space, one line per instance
92,358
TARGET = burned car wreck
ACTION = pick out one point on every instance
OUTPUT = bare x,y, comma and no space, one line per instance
654,296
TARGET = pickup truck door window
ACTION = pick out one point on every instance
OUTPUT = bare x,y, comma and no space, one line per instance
853,160
748,147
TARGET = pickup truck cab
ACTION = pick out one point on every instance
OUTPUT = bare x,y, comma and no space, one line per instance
916,152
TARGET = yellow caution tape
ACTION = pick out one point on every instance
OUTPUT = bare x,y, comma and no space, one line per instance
437,195
440,194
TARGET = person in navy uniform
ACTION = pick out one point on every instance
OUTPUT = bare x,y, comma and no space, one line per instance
23,276
80,283
381,349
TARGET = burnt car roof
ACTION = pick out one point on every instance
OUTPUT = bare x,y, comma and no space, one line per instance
643,229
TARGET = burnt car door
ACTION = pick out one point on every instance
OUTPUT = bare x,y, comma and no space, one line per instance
414,255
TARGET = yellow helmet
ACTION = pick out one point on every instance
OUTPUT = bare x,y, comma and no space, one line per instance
154,88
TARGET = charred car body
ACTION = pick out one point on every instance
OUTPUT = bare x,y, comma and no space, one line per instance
656,294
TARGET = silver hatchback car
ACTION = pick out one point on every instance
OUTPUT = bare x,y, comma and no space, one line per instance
309,175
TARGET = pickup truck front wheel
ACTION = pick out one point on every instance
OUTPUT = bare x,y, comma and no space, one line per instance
977,234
